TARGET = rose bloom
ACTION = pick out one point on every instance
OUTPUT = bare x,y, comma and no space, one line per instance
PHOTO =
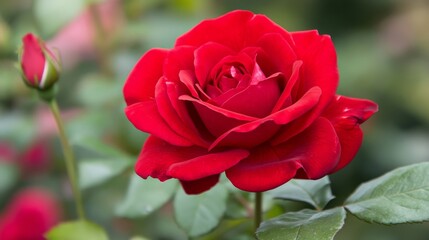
30,214
241,95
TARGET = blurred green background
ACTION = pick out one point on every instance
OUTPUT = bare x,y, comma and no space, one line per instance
383,55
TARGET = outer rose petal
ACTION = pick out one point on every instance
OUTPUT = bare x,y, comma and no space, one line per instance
200,185
313,49
161,160
346,114
170,115
316,151
256,132
145,117
229,30
140,84
236,29
178,59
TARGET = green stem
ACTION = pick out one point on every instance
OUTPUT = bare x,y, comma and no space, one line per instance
258,209
69,158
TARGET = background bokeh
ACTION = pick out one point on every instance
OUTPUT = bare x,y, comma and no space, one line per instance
383,55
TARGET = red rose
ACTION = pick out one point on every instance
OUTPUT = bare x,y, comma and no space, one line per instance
29,216
241,95
39,66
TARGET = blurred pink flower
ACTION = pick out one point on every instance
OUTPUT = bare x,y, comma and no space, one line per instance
29,215
76,40
33,159
36,157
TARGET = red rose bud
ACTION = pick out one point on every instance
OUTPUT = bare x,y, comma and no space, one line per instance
39,66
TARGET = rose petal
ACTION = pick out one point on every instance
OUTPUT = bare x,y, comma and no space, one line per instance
281,53
346,114
256,100
312,49
178,59
170,115
229,30
206,165
200,185
157,156
140,84
235,29
316,151
285,98
188,79
217,120
206,57
247,135
145,117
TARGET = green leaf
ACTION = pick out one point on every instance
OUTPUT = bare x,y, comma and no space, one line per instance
315,192
145,196
198,214
303,225
102,149
8,176
96,171
77,230
400,196
95,90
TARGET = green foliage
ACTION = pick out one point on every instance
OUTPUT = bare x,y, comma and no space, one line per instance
94,171
303,225
98,83
103,163
315,192
199,214
145,196
399,196
77,230
8,176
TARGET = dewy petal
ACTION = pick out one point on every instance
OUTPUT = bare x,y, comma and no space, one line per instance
258,131
313,49
346,114
145,117
206,165
157,156
140,84
315,152
200,185
206,57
